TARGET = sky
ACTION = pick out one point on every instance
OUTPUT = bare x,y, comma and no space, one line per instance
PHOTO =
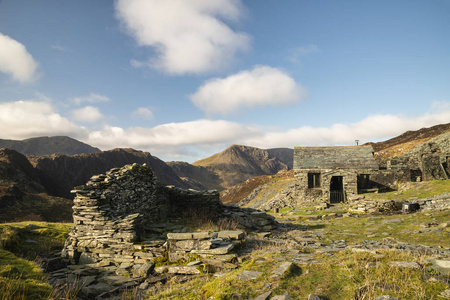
184,79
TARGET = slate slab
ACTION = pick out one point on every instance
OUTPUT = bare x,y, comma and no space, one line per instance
282,268
264,296
248,275
391,221
405,264
440,265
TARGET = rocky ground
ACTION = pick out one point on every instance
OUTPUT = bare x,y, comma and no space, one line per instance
328,254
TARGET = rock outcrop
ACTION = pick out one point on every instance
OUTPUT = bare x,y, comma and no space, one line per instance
22,196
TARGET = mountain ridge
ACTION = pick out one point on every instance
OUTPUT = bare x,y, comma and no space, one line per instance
238,163
45,145
60,173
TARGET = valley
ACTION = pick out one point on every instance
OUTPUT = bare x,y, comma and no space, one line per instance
364,248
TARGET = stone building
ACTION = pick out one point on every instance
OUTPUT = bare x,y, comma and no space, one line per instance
336,174
331,174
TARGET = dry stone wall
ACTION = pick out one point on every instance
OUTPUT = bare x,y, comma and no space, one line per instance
439,202
122,217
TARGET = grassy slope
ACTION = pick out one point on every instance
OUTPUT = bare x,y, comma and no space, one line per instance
20,274
242,190
409,190
340,275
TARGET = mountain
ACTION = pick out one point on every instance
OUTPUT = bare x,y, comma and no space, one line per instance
197,177
238,163
22,197
48,145
60,173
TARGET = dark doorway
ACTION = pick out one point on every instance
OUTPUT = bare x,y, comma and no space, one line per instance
336,189
446,166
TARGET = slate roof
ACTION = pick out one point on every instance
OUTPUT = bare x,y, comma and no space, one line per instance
353,157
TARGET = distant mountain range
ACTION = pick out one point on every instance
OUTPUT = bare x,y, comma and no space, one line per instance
60,173
48,145
36,186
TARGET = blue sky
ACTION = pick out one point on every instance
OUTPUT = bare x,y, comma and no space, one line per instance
185,79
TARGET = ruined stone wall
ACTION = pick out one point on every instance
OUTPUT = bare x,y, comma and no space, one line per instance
433,167
182,202
112,211
386,180
121,216
438,202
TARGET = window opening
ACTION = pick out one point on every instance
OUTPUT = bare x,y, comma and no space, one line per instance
313,180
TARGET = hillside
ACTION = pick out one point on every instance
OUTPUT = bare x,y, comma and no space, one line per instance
22,197
48,145
407,141
239,163
196,176
60,173
237,193
263,191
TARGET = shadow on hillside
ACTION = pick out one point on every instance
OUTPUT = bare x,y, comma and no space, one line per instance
316,226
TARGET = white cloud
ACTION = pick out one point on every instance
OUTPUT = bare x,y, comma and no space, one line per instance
370,129
91,98
89,114
261,86
15,60
58,47
25,119
188,36
143,112
201,138
196,132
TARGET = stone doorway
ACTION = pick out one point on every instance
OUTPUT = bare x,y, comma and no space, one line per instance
337,189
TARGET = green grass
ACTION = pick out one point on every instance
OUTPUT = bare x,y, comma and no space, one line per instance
419,190
48,237
354,230
21,279
345,275
20,275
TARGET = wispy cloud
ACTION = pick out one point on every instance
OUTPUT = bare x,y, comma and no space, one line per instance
143,112
261,86
91,98
297,53
58,48
16,61
88,114
188,36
